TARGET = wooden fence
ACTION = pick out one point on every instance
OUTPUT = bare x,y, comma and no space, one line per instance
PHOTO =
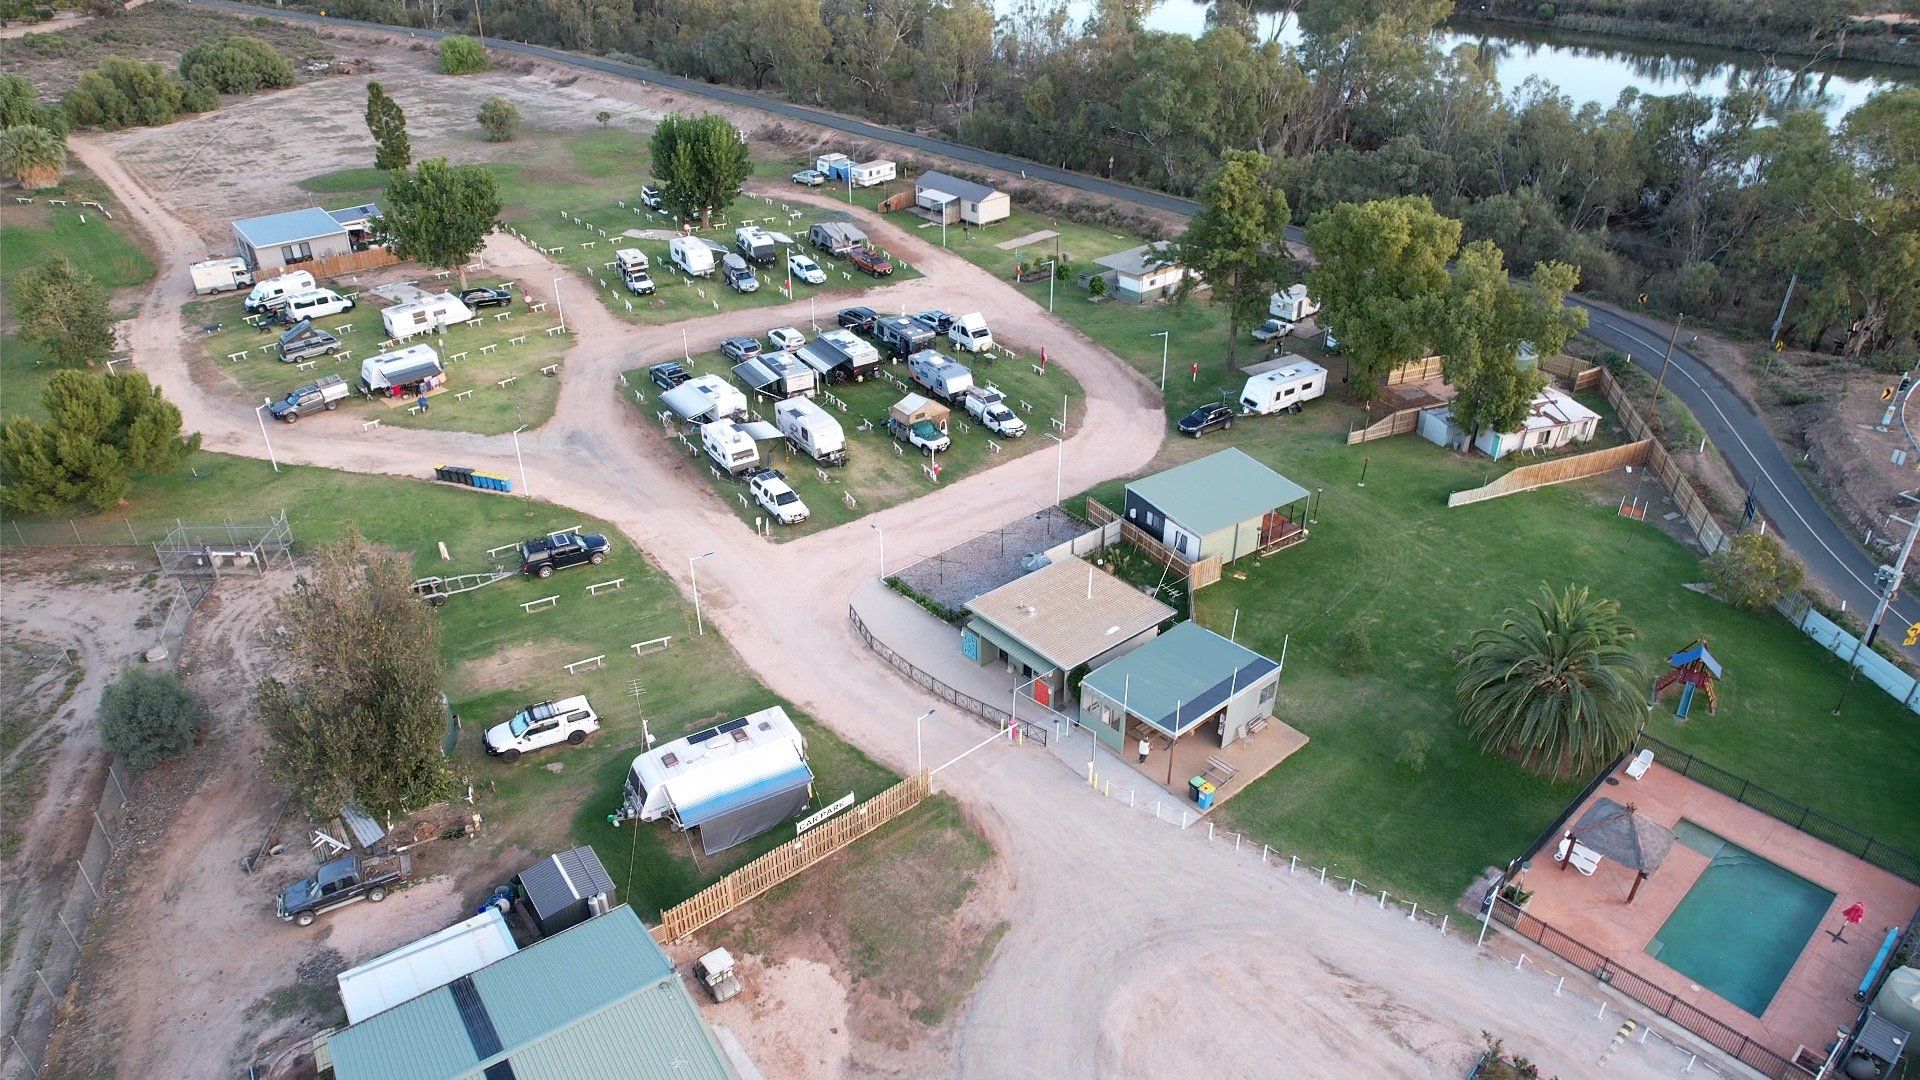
1558,471
1397,422
1578,374
1416,371
1686,500
353,262
1198,574
790,859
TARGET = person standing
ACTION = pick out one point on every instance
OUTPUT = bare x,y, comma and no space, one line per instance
1144,747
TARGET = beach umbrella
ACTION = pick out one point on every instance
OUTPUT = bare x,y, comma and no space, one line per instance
1852,916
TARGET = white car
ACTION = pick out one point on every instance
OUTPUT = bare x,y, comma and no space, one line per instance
806,269
776,497
785,338
569,720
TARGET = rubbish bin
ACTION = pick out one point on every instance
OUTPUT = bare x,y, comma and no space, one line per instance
1204,796
1194,785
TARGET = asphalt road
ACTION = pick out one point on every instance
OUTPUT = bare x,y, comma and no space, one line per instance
1827,549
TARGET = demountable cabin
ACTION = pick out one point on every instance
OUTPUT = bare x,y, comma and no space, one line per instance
733,781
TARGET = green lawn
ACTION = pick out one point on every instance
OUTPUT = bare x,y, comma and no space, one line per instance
876,476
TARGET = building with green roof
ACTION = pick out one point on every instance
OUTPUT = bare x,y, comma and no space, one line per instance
597,1000
1175,683
1224,504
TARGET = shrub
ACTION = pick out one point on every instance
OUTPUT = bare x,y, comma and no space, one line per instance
603,116
462,55
1352,651
33,156
1097,285
19,104
1545,12
1752,571
499,119
148,716
238,64
123,93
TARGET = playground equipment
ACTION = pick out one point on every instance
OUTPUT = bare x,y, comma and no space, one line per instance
1695,669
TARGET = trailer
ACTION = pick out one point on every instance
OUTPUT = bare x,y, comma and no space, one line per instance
732,781
220,275
777,375
435,591
415,368
705,398
943,377
811,430
1292,306
920,423
836,237
1282,385
869,173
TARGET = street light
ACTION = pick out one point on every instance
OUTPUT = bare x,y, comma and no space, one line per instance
559,303
694,571
919,761
1166,339
883,548
522,462
259,413
1053,272
1059,465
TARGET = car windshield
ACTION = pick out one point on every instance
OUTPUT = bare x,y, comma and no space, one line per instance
998,412
785,497
518,725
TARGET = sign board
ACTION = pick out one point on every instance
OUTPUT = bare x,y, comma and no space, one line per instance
823,813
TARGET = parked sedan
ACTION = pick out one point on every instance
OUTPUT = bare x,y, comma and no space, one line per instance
860,320
803,267
1270,329
1206,418
786,338
482,297
740,349
810,177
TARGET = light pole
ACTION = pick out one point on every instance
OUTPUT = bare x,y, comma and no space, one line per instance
694,571
1053,271
1166,340
883,548
919,761
1666,359
525,491
260,414
1059,465
1890,580
559,303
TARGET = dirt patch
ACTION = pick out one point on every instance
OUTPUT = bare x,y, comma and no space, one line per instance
53,58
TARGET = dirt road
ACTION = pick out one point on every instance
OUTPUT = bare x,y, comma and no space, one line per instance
1137,949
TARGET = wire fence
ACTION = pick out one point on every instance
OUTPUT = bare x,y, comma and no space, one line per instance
1038,732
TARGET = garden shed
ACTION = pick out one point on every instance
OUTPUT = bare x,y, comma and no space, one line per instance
565,889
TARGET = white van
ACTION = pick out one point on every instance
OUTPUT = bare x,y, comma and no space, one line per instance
269,293
1294,381
548,723
219,275
969,332
315,304
691,256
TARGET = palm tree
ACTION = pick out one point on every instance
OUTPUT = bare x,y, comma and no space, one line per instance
1555,685
32,155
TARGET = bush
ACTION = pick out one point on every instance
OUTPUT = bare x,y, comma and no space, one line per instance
1352,651
239,64
462,55
33,156
123,93
19,104
148,716
1097,285
1752,571
499,119
1545,12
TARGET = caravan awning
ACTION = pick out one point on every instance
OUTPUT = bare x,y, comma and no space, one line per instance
743,779
687,401
794,777
759,430
756,375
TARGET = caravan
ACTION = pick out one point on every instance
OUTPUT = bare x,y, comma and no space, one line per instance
811,430
431,312
969,332
869,173
1282,385
776,375
732,782
943,377
414,369
691,255
1292,306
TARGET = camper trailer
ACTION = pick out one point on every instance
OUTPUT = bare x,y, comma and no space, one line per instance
730,447
836,237
1292,306
940,374
869,173
811,430
219,275
691,255
902,336
705,398
758,246
838,355
919,423
732,782
414,369
969,332
272,292
1282,384
777,375
424,316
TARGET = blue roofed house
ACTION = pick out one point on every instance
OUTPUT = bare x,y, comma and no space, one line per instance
283,241
597,1000
1179,681
1225,504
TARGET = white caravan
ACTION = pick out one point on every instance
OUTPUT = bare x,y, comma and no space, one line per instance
812,430
1282,384
691,255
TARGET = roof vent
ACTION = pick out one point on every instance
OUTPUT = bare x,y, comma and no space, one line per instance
740,735
669,759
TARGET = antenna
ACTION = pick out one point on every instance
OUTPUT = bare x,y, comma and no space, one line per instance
1089,582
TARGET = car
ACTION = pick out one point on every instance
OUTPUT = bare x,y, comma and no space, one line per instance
740,349
668,375
870,261
860,320
738,275
650,198
802,266
1270,329
810,177
937,321
1206,418
480,296
785,338
1333,343
777,497
348,879
558,551
543,724
640,283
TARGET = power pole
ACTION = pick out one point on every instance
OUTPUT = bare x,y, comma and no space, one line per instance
1889,579
1665,359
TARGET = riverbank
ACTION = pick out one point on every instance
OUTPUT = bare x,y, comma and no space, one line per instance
1869,51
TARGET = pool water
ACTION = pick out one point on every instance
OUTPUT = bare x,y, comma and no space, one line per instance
1740,928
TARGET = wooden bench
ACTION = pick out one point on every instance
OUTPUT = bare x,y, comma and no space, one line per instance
1219,772
1259,725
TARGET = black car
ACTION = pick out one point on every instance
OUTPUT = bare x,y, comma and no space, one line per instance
668,375
741,349
557,551
1206,418
481,296
860,320
937,321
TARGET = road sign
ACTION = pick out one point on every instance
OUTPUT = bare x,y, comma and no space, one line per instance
1913,635
826,812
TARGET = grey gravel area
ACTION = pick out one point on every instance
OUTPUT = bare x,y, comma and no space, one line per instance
989,560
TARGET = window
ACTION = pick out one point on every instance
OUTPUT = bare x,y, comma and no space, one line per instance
296,253
1268,691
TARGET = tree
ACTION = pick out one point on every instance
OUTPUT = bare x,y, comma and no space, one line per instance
499,119
1556,685
100,431
65,312
440,214
146,717
462,55
19,104
236,64
1236,243
392,150
33,156
122,93
700,161
1480,324
604,117
1752,571
1382,269
359,717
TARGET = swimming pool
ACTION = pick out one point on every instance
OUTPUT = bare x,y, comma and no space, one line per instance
1740,928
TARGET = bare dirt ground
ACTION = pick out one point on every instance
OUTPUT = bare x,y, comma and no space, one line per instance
1111,906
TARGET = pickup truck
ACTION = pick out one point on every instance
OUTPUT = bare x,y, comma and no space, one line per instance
668,375
324,393
870,261
989,406
343,881
921,434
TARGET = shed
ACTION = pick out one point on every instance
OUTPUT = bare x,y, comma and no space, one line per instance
1179,680
276,242
600,1000
952,200
1057,619
427,964
565,889
1225,504
1141,274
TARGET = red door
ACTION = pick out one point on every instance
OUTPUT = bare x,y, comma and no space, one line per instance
1043,692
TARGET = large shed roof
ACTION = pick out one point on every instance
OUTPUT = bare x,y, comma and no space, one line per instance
1179,678
953,185
1218,490
293,226
1069,612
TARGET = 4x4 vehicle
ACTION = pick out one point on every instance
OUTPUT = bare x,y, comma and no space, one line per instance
639,282
546,723
668,375
802,266
1271,329
324,393
870,261
937,321
738,274
777,497
858,319
345,880
557,551
480,296
785,338
650,198
741,349
810,177
1206,418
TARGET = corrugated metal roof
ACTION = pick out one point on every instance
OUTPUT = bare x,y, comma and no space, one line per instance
560,880
1137,261
1218,490
597,1000
1069,612
953,185
433,961
294,225
1179,678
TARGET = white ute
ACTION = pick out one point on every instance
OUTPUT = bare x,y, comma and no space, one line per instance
989,406
802,266
778,498
569,720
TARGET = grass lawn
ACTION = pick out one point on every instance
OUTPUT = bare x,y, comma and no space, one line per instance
876,476
491,410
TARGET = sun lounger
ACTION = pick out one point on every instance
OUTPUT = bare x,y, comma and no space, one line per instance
1641,762
1584,859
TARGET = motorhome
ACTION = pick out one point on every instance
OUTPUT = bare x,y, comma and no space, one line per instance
314,304
969,333
220,275
705,398
1282,384
943,377
811,430
733,781
414,369
269,294
432,312
1292,306
691,255
777,375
